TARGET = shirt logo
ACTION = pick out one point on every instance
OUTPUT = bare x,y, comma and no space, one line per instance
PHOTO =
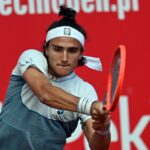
60,112
67,31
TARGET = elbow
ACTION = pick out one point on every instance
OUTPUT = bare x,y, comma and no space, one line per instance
43,98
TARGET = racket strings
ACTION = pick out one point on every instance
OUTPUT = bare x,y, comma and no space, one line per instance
115,75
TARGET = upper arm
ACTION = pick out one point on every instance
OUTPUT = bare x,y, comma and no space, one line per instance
36,81
33,67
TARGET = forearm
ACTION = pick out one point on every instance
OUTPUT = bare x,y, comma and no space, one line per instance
100,142
47,93
54,96
57,98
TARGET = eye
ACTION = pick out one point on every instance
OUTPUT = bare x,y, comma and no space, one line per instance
73,50
57,49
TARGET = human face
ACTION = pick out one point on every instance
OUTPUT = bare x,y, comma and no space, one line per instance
63,55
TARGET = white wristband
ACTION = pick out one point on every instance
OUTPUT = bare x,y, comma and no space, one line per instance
84,106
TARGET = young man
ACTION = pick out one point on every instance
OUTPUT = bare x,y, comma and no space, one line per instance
46,99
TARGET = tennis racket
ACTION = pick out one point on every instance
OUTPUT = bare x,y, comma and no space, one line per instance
115,79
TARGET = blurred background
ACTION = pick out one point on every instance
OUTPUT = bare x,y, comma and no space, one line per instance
109,23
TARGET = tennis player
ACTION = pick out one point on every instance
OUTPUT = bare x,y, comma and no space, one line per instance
46,99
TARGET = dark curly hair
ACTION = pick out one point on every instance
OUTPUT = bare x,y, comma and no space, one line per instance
68,19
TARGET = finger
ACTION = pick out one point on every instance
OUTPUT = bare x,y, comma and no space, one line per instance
104,108
100,127
103,117
102,122
105,120
95,117
98,124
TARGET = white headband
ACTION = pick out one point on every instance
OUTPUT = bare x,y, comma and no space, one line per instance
65,31
91,62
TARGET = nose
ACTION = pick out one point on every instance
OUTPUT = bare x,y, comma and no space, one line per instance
65,57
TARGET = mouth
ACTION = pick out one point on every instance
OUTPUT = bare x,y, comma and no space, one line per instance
63,65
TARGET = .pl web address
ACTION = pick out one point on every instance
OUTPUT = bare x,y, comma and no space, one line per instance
32,7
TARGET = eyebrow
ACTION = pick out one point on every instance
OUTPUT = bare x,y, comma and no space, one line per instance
56,46
61,47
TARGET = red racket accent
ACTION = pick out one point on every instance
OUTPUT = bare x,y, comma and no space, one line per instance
114,87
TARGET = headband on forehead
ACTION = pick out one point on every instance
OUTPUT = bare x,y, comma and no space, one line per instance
65,31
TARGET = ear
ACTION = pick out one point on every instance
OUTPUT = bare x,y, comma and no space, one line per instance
46,48
46,52
80,56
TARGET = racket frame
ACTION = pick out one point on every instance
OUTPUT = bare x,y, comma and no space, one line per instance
109,105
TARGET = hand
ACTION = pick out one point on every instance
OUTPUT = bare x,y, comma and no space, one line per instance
100,116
